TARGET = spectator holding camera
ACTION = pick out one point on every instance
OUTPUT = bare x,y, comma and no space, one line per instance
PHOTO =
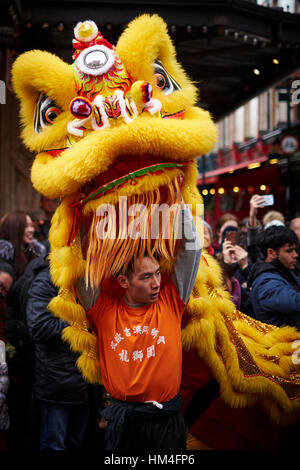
226,220
236,268
254,226
233,253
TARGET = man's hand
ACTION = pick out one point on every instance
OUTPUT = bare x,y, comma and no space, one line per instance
256,202
102,424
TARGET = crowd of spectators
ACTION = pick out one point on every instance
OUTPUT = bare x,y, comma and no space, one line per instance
260,262
44,401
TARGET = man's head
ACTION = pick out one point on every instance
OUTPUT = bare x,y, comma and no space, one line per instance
141,281
225,221
274,218
280,243
6,278
208,234
295,226
48,206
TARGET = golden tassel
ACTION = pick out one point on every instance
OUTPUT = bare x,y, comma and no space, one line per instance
116,248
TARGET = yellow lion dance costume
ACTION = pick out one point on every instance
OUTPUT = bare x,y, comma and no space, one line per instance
122,121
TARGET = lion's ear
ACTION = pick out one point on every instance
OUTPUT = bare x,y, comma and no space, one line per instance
39,75
146,42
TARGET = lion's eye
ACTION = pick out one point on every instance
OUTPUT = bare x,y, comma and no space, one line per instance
160,80
45,113
51,114
163,80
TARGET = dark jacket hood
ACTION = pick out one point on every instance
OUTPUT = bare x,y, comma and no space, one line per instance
258,268
261,267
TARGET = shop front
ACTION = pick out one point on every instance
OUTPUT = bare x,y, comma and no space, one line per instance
269,164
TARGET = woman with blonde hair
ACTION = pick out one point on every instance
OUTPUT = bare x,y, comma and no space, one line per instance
273,218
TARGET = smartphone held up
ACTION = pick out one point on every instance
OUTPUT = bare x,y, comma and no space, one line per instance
237,238
268,200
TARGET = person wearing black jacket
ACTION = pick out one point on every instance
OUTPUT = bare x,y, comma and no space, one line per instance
21,433
58,385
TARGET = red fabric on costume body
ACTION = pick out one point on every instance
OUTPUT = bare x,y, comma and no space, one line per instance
221,427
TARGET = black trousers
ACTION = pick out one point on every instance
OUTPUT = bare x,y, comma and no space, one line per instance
153,433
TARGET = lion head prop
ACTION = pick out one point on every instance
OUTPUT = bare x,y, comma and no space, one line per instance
119,128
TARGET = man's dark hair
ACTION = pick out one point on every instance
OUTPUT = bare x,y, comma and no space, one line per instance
128,271
275,237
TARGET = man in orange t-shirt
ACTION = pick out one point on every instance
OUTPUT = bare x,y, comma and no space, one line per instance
140,349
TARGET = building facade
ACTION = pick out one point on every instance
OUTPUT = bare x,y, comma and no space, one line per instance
257,153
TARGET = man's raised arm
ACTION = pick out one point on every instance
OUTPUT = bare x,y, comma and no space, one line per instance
188,256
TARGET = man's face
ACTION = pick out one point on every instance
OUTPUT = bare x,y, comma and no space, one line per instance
229,223
143,286
287,255
5,283
207,238
29,230
49,206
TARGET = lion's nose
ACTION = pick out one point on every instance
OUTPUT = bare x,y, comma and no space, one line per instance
81,108
115,106
103,109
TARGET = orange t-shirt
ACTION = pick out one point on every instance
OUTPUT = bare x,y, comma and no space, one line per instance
140,347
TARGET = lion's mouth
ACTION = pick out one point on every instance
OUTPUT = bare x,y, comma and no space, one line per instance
125,169
140,224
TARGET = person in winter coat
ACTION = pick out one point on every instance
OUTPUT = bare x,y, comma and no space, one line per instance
6,281
236,268
58,385
254,226
239,295
223,222
275,293
18,248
